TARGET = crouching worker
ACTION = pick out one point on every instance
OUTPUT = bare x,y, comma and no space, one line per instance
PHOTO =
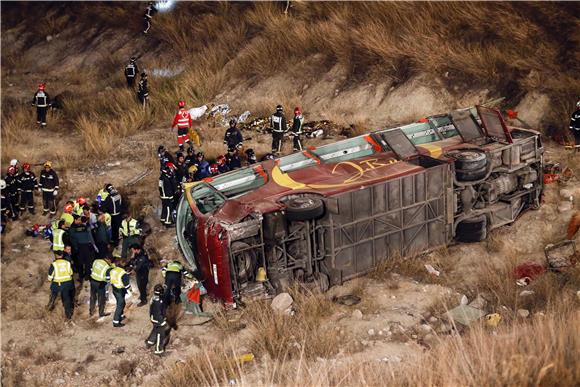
192,299
173,273
159,336
60,275
100,275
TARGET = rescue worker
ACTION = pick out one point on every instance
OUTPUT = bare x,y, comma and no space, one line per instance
159,336
173,273
27,183
233,138
42,101
190,158
575,124
297,129
180,177
251,156
233,160
143,89
48,184
83,247
60,275
131,71
110,200
191,171
167,192
278,125
141,265
91,215
60,238
148,16
214,169
164,156
100,276
131,233
4,207
13,192
79,203
121,284
202,167
102,236
182,121
67,214
222,164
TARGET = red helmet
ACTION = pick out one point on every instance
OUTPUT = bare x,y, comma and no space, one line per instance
26,167
68,208
221,160
297,110
82,201
214,169
11,170
181,104
170,165
41,86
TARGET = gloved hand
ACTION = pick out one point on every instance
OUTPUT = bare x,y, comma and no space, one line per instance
55,192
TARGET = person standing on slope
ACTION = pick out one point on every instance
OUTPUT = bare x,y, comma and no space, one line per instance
278,125
42,101
575,124
297,129
183,122
131,71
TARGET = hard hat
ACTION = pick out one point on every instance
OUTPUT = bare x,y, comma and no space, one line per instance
41,86
48,164
221,160
279,108
190,150
68,208
158,290
13,162
170,165
297,110
192,169
233,122
26,167
178,154
82,201
2,184
261,275
213,168
181,104
133,59
11,170
199,154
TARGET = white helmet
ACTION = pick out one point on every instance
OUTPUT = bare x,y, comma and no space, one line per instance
2,184
578,104
13,162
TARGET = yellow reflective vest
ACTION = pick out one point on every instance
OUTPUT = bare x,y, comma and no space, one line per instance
107,219
62,271
117,274
68,219
57,241
129,229
99,270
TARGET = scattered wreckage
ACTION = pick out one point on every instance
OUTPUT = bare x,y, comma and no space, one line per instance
335,212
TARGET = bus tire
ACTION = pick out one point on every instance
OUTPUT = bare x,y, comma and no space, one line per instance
472,229
245,261
470,175
470,160
304,208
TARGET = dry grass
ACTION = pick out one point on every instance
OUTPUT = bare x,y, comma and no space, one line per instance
126,367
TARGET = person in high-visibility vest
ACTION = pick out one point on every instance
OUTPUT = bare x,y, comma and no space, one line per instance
60,275
60,237
111,201
159,336
67,214
100,275
173,272
130,232
121,285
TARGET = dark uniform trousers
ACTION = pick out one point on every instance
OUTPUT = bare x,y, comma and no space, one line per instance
115,224
120,298
159,337
41,114
167,211
142,281
48,202
173,285
98,292
67,295
277,138
84,260
27,201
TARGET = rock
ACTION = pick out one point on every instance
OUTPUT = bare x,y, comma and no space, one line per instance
567,195
464,300
523,313
430,339
425,328
443,328
49,38
357,314
371,332
565,206
525,293
119,350
433,319
282,303
59,381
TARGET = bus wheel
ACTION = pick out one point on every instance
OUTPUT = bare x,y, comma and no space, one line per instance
245,260
472,229
304,208
469,160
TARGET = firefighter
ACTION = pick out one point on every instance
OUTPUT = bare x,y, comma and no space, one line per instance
121,285
141,265
143,89
111,201
167,188
202,167
297,129
233,138
100,276
233,159
131,71
150,11
67,215
180,169
214,169
190,158
131,233
26,184
278,125
60,275
13,192
159,336
83,247
182,121
251,156
575,124
222,163
164,156
4,209
42,101
173,273
102,235
191,171
60,237
48,184
78,205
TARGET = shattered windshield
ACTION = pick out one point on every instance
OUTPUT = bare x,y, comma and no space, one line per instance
206,198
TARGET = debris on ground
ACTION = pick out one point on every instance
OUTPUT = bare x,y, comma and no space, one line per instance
465,314
221,109
246,358
561,255
244,117
527,272
357,314
432,270
282,303
311,129
523,313
348,300
493,319
573,226
197,112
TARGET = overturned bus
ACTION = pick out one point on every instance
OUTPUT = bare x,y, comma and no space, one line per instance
335,212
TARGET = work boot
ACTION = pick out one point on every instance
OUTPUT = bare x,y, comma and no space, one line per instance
104,314
31,210
119,325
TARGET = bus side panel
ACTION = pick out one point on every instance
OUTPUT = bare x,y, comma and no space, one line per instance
400,217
